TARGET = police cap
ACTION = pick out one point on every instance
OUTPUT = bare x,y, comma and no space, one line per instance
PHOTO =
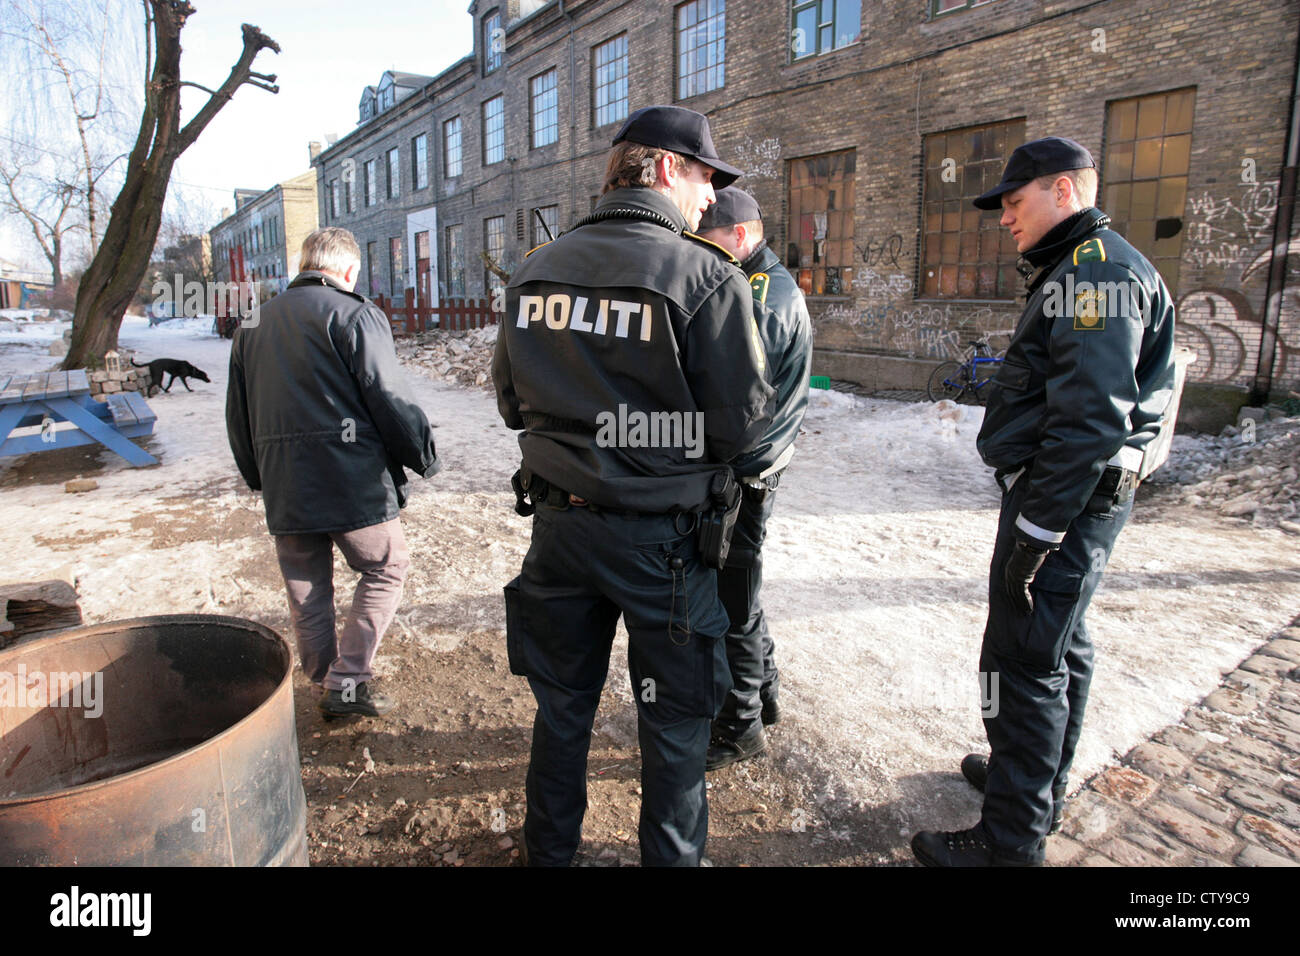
680,130
733,205
1040,157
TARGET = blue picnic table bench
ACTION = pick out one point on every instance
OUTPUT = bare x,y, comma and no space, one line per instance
49,397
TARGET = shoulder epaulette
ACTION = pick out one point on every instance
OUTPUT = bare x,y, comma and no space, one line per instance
759,282
712,245
1090,250
536,247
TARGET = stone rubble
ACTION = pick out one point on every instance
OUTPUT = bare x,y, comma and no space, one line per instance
1250,472
458,358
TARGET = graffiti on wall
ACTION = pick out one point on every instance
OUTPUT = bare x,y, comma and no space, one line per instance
759,159
1220,323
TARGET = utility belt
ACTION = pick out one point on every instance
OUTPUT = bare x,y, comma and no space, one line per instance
1116,486
714,525
757,489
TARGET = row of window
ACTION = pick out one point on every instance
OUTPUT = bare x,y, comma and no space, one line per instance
964,253
253,240
545,226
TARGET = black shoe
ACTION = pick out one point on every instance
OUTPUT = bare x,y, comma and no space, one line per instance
359,702
771,712
961,848
975,768
725,749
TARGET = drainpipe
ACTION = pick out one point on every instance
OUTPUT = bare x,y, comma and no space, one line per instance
573,121
1263,383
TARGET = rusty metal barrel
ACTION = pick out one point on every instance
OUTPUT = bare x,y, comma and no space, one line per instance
156,741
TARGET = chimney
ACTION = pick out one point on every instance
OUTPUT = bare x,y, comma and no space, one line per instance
313,150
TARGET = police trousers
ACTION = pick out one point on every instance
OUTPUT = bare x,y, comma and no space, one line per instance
1038,669
583,569
754,676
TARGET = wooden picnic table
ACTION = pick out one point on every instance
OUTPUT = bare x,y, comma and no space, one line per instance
49,397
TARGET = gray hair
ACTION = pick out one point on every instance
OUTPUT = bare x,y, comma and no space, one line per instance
330,249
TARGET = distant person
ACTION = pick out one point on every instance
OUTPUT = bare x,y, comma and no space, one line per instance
1071,428
322,422
735,222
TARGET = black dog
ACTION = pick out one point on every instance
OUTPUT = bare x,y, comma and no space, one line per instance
176,368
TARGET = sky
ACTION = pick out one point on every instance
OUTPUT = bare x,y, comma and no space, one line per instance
331,50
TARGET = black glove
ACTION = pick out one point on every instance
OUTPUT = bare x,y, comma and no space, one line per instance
1021,568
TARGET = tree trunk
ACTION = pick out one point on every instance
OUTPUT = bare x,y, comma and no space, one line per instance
120,263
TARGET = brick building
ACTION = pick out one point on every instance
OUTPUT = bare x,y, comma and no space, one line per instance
265,232
863,130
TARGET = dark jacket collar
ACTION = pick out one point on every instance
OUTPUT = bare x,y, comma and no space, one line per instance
642,197
762,257
312,277
1059,240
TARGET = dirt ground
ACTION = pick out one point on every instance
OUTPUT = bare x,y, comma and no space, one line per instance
875,582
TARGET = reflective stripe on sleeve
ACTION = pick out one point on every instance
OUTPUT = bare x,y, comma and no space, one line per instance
1042,534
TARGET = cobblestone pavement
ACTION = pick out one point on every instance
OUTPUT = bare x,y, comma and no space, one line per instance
1219,788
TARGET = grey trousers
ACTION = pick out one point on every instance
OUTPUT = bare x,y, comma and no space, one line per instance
378,553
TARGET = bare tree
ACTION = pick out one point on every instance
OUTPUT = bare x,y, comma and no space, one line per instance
122,259
63,128
46,210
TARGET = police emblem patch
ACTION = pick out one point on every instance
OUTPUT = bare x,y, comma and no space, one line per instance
758,282
1089,311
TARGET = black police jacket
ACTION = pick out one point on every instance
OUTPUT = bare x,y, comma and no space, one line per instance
786,330
630,357
318,413
1087,376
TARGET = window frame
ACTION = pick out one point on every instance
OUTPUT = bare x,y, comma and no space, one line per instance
448,152
455,244
597,86
393,173
371,186
799,6
489,277
534,97
483,115
846,209
492,59
974,227
419,161
696,88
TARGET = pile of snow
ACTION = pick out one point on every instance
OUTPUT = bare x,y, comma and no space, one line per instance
458,358
1249,472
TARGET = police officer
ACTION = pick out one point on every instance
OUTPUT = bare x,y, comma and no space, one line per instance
630,358
735,222
1069,428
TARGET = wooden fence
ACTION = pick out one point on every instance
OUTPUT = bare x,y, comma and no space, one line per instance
455,313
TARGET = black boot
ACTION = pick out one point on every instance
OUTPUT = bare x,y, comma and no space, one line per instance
961,848
725,749
360,702
975,768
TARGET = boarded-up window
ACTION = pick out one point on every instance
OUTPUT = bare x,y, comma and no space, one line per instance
1148,149
819,250
965,254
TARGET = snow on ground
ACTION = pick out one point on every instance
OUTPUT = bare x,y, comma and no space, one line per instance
875,575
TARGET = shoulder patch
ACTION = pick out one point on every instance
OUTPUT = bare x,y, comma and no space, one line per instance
712,245
1090,251
759,282
536,247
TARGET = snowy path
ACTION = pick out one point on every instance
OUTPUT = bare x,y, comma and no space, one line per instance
876,568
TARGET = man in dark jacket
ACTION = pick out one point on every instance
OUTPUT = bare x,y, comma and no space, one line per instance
322,422
630,358
735,222
1070,426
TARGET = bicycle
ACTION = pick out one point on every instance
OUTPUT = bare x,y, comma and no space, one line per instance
967,380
